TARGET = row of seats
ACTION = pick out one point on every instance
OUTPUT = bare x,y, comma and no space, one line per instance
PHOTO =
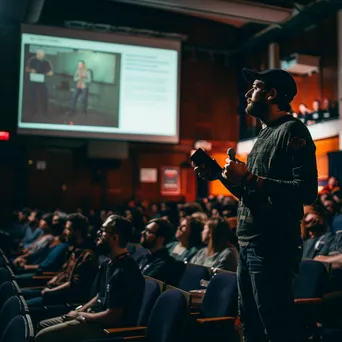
219,305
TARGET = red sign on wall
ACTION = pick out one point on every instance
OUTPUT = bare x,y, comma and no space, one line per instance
170,181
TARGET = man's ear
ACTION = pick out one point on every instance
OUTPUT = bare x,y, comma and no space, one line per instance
272,94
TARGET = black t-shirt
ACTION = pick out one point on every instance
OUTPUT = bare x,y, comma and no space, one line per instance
42,66
284,155
159,265
121,285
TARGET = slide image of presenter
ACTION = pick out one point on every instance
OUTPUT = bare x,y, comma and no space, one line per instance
82,79
38,68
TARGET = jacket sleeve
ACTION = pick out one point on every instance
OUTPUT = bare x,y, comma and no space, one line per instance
300,151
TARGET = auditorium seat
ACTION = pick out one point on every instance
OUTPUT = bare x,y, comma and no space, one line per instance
7,290
192,276
6,274
309,287
13,307
167,321
19,329
219,309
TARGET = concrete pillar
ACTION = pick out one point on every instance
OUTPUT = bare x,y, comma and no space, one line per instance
339,68
273,56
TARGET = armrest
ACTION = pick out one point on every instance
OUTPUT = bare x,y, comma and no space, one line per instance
42,277
33,287
308,300
216,320
121,332
49,273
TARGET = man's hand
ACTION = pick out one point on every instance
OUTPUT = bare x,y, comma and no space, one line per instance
234,171
73,314
81,317
206,172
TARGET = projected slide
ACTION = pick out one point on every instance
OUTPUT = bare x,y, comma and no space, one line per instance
90,88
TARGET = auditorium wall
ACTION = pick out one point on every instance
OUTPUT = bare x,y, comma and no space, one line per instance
209,102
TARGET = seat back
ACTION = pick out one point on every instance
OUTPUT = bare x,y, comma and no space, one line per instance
13,307
7,290
311,280
6,274
19,329
151,293
191,278
177,267
221,297
168,318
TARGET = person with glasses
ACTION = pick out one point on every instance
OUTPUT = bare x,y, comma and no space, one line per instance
157,263
117,304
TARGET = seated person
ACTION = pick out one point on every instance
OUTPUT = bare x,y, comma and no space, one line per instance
35,231
220,251
157,263
117,305
189,239
74,280
316,113
49,223
317,239
47,259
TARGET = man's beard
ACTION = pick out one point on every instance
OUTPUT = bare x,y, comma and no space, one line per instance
148,244
257,109
103,248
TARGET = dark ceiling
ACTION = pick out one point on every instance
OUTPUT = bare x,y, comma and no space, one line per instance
223,29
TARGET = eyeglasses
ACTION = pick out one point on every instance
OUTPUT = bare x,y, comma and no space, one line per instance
148,231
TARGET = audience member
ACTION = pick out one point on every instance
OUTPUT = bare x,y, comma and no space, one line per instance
117,305
220,251
157,263
189,239
73,282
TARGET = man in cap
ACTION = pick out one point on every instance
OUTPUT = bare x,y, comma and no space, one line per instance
279,178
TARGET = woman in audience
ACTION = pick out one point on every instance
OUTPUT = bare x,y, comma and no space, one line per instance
188,237
220,251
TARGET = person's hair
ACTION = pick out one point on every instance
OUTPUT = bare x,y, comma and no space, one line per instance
26,211
48,218
203,217
122,227
221,236
191,208
58,229
196,226
317,228
79,223
165,229
38,215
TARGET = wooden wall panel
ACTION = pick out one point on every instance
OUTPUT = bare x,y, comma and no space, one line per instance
152,191
209,99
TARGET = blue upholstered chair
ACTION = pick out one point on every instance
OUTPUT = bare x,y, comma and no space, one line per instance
167,321
19,329
7,290
13,307
192,277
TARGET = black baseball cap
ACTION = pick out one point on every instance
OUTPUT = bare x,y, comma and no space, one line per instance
279,79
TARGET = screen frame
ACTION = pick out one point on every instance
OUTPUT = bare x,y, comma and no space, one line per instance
106,37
